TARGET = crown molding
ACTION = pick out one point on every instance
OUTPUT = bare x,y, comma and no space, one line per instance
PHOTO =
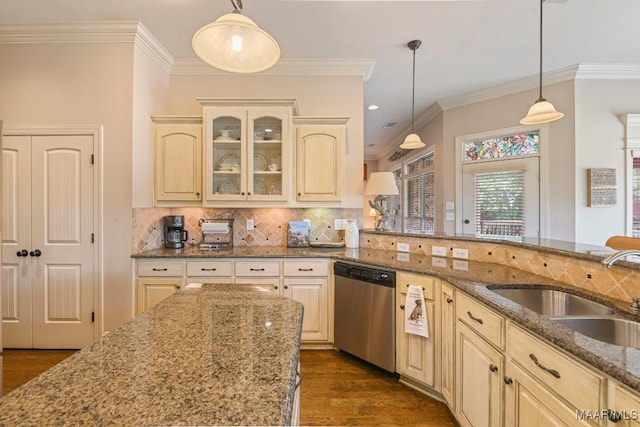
573,72
89,32
299,67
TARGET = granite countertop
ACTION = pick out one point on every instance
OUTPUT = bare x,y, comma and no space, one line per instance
475,279
193,251
220,355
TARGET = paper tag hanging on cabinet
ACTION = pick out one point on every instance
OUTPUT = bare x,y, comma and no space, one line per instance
415,321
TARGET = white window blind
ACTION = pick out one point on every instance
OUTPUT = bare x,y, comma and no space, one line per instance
500,210
419,192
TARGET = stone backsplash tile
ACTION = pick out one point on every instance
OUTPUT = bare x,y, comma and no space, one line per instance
270,224
616,282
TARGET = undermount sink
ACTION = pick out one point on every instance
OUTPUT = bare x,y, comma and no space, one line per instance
611,330
550,302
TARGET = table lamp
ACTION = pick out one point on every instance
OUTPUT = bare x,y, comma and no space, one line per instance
381,184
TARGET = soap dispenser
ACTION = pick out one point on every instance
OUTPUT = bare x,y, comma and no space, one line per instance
352,235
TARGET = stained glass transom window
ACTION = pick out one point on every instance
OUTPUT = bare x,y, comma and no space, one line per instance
521,144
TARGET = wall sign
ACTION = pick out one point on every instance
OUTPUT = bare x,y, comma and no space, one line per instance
601,187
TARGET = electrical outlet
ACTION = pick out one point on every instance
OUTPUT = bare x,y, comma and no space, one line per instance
450,206
403,247
460,265
438,251
250,225
403,257
439,262
461,253
340,224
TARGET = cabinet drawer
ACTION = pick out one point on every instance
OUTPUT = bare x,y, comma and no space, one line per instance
573,381
210,268
426,282
306,268
160,268
481,319
257,268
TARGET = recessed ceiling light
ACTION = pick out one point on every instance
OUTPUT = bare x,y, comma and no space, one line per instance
389,125
372,107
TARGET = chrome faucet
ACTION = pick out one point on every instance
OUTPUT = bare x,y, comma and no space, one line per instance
611,259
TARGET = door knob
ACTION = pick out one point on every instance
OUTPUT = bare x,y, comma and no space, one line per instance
22,253
35,253
466,221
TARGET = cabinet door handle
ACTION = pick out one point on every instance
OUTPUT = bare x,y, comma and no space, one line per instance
22,253
35,253
507,380
275,287
614,416
159,269
299,194
286,287
449,300
477,319
401,306
208,269
544,368
493,368
256,269
305,269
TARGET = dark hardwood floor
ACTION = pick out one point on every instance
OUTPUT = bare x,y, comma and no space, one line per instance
337,389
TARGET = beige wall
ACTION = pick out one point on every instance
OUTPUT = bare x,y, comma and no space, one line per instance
48,85
599,144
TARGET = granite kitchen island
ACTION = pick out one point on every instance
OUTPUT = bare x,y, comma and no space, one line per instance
220,355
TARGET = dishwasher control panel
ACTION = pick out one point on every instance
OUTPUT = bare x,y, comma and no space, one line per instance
365,274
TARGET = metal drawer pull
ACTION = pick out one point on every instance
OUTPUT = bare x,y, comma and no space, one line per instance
256,269
551,371
475,318
493,368
410,285
160,269
208,269
614,416
305,269
449,300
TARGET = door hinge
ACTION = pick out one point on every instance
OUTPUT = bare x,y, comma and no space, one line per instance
93,238
93,317
93,159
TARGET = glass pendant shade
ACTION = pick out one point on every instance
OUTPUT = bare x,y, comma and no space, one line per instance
236,44
412,142
541,112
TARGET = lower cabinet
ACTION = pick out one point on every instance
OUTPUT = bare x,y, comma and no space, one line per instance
479,364
415,354
447,345
304,280
624,406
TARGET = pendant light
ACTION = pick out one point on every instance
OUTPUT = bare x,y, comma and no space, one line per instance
236,44
542,111
412,141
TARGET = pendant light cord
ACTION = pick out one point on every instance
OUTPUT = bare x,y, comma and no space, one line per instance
540,97
413,90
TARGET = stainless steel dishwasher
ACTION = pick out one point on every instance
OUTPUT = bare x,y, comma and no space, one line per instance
364,313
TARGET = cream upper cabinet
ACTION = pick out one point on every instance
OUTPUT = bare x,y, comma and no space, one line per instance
247,153
319,159
178,160
415,359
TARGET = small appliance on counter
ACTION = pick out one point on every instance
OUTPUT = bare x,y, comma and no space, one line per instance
216,233
174,233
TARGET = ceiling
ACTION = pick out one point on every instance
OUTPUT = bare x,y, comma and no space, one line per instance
467,45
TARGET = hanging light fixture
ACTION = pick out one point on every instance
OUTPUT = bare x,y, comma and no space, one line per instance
412,141
542,111
236,44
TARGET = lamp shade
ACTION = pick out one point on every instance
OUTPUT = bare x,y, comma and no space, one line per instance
541,112
412,142
236,44
381,183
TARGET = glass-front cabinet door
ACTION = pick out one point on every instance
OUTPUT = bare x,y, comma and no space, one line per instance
265,156
246,154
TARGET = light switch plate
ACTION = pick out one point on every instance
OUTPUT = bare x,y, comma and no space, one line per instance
450,216
403,247
340,224
250,225
449,206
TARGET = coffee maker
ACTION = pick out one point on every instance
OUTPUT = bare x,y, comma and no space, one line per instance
174,233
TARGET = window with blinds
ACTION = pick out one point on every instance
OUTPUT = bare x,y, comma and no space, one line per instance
419,195
500,210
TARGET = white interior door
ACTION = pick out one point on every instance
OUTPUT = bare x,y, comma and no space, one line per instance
474,219
59,265
16,237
